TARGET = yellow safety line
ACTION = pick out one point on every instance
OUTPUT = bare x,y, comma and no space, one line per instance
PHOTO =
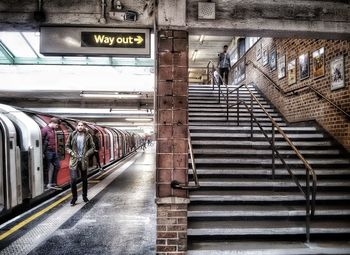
38,214
93,181
33,217
104,173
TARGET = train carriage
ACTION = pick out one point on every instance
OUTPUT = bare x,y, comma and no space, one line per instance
21,169
29,141
10,176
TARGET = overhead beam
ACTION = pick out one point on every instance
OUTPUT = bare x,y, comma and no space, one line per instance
6,52
71,103
19,14
88,62
301,19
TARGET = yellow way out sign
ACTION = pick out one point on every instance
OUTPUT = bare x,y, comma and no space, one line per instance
95,41
114,40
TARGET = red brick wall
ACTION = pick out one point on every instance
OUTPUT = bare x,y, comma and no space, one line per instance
306,105
172,148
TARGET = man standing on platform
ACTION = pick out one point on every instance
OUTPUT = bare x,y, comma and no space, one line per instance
80,147
96,155
224,65
50,153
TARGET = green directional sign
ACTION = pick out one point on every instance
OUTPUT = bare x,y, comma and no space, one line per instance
95,41
113,40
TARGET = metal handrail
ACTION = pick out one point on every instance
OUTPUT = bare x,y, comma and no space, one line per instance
308,168
176,184
294,91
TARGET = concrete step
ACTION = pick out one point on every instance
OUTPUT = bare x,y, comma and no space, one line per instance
232,114
210,86
267,247
222,108
265,228
214,101
208,92
216,105
261,196
240,172
265,183
232,118
267,162
232,122
240,152
240,129
246,134
263,210
231,97
257,144
215,93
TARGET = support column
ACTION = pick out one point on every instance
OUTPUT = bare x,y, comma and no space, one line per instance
172,147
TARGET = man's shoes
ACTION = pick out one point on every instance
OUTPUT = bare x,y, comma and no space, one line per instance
85,199
73,201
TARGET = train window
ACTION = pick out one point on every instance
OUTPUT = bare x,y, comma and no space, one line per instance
60,144
67,126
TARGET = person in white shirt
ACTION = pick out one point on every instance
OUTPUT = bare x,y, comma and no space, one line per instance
224,65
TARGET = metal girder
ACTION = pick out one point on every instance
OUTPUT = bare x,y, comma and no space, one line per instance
143,62
29,44
7,53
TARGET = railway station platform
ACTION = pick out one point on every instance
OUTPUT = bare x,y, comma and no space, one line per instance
120,217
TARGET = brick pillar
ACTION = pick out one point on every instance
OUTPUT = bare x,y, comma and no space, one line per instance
172,147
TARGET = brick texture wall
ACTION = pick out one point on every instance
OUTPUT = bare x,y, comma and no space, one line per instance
306,105
172,148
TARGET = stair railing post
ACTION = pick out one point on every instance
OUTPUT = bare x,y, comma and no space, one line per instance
219,89
227,102
251,116
273,150
213,77
237,107
307,221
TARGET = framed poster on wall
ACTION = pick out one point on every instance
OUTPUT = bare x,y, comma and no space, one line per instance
273,60
337,73
265,56
235,75
304,66
281,64
318,63
292,72
258,50
239,72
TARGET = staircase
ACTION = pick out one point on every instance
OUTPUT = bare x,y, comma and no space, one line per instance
239,208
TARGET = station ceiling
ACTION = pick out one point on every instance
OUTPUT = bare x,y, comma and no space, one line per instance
106,90
22,49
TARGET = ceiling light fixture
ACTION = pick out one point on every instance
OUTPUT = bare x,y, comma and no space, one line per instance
194,55
109,95
201,39
144,120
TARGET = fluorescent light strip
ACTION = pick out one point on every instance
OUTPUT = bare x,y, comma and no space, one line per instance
108,96
130,119
201,39
194,55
